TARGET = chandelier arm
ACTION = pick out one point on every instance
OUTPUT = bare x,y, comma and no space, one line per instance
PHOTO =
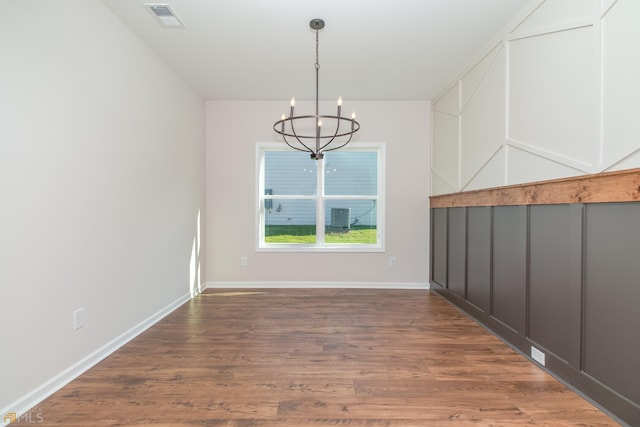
284,138
299,141
335,133
355,126
340,146
295,135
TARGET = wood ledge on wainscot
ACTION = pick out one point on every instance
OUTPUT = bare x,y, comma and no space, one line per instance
606,187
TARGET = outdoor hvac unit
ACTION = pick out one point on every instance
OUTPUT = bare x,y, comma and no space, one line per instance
341,218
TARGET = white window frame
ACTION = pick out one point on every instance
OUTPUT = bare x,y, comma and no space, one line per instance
320,245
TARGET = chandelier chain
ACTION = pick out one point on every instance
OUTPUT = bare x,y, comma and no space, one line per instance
317,64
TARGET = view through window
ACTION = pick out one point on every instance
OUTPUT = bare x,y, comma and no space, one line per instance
332,204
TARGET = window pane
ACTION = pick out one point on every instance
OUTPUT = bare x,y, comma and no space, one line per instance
290,173
347,193
351,221
290,221
351,173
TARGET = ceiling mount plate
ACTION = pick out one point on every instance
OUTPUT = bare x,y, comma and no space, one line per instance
316,24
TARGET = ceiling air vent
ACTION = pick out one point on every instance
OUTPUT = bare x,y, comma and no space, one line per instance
165,15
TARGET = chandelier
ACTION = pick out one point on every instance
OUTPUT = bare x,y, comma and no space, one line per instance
315,133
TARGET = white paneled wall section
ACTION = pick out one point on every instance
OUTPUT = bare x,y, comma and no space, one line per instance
554,95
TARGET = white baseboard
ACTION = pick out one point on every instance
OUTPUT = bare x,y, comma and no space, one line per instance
36,396
311,285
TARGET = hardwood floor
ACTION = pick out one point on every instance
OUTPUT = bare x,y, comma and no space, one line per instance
317,357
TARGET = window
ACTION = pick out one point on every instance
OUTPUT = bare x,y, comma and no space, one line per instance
335,204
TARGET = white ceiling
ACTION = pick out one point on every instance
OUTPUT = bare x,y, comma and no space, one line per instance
369,49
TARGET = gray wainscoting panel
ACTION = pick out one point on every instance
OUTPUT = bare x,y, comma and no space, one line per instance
479,257
510,266
555,279
439,246
561,277
612,296
457,251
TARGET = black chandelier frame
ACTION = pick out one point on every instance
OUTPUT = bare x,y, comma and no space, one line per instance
343,128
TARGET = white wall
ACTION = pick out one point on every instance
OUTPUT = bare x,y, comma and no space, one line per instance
101,186
554,95
234,128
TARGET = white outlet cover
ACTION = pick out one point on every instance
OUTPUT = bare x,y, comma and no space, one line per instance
537,355
78,318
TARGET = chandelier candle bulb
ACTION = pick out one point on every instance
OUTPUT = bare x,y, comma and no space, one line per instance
339,101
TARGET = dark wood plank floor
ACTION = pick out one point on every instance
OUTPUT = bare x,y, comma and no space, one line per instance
317,357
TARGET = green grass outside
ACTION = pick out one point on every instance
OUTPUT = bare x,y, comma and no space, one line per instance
307,234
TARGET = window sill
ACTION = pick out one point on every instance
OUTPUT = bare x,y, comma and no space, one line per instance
275,247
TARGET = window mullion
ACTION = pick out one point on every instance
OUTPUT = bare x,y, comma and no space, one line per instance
320,226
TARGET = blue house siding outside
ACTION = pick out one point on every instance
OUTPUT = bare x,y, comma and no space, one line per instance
346,173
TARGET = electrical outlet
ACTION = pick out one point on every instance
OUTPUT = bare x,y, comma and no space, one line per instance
537,355
244,261
392,261
78,318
